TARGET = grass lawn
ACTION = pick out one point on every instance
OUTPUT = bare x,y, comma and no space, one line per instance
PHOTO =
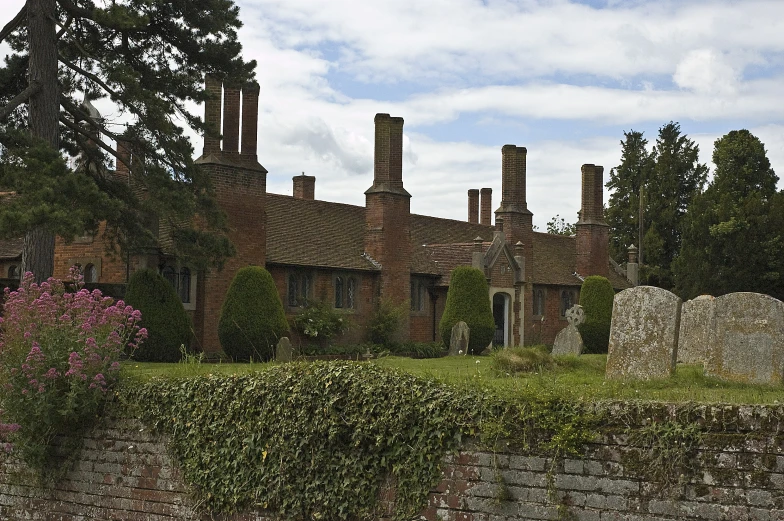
579,378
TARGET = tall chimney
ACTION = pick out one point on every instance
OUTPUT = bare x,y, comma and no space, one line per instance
212,115
122,168
388,215
486,212
250,121
304,187
473,205
592,231
231,120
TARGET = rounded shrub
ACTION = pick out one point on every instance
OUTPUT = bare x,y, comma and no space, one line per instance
168,325
468,301
596,298
252,318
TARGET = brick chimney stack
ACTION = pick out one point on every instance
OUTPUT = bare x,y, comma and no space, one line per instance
592,230
388,211
250,121
304,186
240,187
486,211
122,167
231,120
212,115
473,206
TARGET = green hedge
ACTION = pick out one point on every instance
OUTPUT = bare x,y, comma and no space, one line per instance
252,317
468,300
596,298
168,325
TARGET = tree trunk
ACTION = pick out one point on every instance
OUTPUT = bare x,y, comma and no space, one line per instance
44,108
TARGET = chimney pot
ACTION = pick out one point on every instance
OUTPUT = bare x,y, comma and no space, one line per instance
304,187
250,121
212,115
486,203
231,119
473,205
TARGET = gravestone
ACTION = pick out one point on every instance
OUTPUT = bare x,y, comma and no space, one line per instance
747,332
694,343
569,341
283,351
458,342
643,334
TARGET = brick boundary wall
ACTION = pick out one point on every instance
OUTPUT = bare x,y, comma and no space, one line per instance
125,473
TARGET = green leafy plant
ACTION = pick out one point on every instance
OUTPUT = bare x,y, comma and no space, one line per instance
468,301
320,322
596,298
385,322
58,359
168,325
309,440
252,318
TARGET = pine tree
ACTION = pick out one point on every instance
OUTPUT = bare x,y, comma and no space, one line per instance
732,238
677,177
149,59
623,209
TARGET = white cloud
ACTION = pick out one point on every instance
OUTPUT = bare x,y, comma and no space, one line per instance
706,72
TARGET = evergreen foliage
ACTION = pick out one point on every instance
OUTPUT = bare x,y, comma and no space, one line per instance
468,301
252,317
558,226
669,177
733,235
168,325
596,298
149,59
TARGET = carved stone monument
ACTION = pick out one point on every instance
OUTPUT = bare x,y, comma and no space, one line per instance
458,342
694,342
747,333
643,334
283,351
569,341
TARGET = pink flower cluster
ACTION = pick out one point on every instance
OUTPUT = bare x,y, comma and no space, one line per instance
57,344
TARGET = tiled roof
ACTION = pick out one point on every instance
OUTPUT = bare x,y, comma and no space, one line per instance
331,235
11,248
315,233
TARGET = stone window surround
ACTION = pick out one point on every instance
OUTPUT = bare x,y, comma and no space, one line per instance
191,305
82,262
421,298
301,275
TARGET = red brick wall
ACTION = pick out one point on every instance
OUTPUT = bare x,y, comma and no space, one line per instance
112,268
545,331
240,192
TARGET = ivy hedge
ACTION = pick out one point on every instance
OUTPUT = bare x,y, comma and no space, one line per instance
317,440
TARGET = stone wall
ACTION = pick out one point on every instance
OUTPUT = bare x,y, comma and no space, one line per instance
125,473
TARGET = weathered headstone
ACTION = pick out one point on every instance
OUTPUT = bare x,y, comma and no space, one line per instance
569,341
283,351
694,343
458,342
643,334
747,332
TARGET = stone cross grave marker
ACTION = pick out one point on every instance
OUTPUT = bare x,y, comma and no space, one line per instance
747,334
569,341
283,351
458,342
694,344
643,334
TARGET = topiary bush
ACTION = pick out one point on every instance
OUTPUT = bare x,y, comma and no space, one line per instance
168,325
252,318
596,298
468,301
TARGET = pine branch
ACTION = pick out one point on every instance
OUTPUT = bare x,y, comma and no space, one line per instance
13,24
89,75
95,138
75,10
20,98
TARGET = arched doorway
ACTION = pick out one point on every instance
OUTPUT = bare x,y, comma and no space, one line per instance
501,316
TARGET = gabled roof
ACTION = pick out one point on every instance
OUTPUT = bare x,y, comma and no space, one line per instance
11,249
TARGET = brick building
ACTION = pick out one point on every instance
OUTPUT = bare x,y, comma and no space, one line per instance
353,256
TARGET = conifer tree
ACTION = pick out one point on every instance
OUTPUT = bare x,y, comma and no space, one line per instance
733,236
149,59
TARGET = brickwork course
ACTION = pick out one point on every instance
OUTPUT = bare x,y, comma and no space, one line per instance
124,472
382,244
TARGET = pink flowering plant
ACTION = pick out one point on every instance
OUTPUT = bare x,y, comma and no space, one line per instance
59,357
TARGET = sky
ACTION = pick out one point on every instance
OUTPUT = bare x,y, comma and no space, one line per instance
564,78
